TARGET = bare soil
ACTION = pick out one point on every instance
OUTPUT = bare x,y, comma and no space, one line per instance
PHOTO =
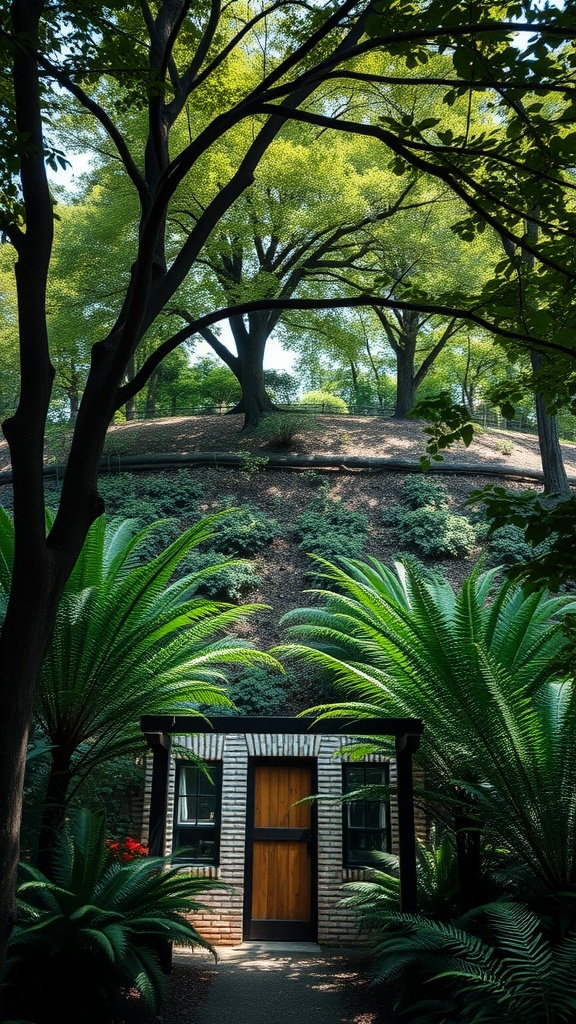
331,435
284,494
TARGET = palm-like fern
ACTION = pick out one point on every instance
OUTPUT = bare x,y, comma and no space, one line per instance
375,897
445,972
128,641
95,927
476,666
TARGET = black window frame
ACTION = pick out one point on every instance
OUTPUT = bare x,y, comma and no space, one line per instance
350,859
186,834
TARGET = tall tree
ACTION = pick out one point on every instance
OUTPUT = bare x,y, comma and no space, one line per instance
284,238
165,60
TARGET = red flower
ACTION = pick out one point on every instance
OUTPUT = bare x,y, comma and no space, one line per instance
126,849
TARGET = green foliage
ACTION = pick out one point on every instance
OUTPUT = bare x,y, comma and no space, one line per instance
329,530
245,530
206,386
547,527
151,496
494,965
375,897
505,447
258,691
325,401
281,429
421,491
508,547
425,523
477,666
281,385
252,464
232,580
449,422
129,640
95,929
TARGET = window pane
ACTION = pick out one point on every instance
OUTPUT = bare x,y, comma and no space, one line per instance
365,821
354,777
356,817
196,846
206,810
374,814
363,845
187,809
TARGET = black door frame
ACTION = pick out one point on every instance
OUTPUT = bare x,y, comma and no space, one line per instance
280,931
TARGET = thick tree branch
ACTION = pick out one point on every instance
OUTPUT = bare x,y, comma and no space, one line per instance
196,327
444,174
114,134
450,83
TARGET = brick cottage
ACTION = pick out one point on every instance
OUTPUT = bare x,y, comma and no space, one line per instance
249,824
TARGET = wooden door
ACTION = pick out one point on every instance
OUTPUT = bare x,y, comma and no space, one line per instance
280,858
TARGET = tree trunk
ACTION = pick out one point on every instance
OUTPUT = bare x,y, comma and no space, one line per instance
405,382
249,370
555,479
25,636
54,808
254,404
150,411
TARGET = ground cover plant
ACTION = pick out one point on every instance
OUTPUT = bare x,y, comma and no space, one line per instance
328,529
282,429
425,522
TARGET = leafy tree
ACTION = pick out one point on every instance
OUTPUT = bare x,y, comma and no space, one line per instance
281,385
285,239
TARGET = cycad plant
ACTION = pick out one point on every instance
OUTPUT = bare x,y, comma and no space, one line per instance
477,666
130,639
95,927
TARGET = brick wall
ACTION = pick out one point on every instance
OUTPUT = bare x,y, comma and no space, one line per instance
223,923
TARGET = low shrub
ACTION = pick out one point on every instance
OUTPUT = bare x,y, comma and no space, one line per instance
231,582
496,964
258,691
508,546
280,429
505,447
426,524
151,496
96,929
325,401
433,532
419,491
252,464
329,530
245,531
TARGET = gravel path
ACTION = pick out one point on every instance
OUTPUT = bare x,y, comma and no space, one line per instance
268,983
